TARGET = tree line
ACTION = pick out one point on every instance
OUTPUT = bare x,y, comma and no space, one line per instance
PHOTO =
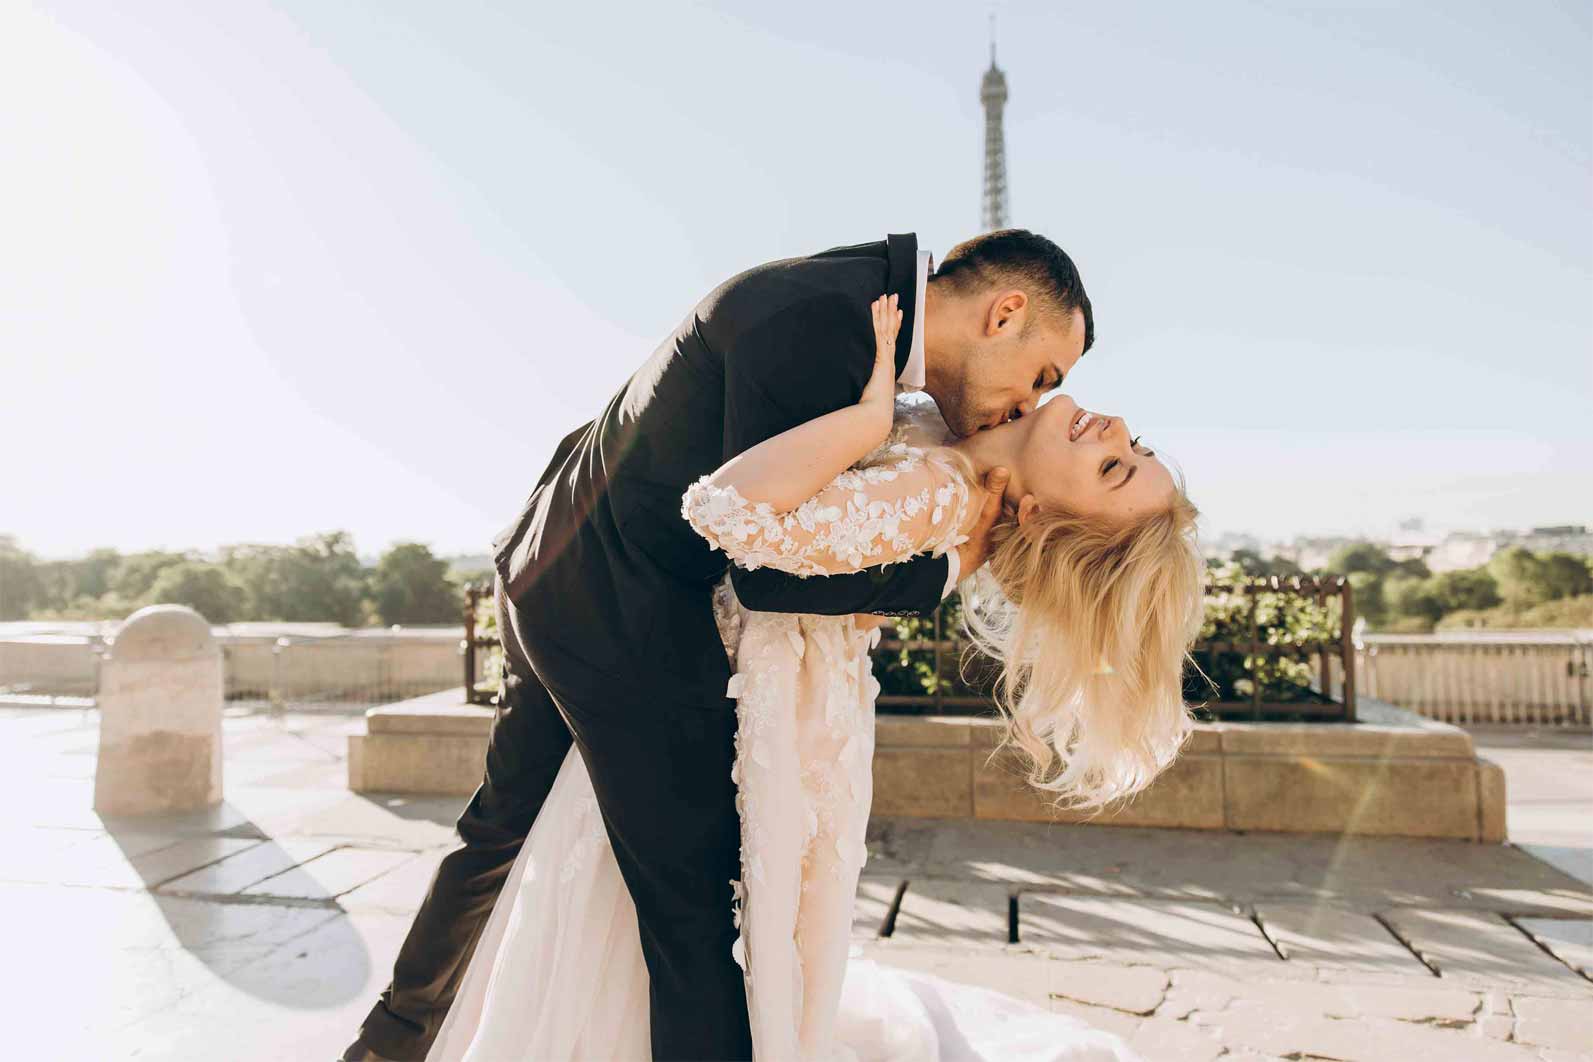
1517,588
317,579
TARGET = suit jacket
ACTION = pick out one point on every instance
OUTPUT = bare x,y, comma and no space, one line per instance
612,584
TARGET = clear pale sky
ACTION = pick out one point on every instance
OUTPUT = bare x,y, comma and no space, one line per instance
267,270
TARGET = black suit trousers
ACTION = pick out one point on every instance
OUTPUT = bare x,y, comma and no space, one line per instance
661,772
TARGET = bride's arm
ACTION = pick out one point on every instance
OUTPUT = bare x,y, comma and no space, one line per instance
789,468
917,502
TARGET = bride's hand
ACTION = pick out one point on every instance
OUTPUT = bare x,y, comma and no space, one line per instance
879,394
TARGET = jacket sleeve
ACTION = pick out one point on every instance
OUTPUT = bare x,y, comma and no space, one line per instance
799,363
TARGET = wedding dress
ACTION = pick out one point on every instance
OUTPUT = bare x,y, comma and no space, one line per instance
558,972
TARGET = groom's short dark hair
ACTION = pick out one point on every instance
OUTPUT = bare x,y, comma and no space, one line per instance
1027,259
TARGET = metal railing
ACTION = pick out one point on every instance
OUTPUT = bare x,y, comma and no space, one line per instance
1538,678
478,649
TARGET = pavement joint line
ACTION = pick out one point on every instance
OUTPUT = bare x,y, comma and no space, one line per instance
255,899
1409,945
888,926
153,886
1254,915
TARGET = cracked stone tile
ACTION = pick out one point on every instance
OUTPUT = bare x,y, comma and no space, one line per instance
1113,1021
952,912
1479,949
1496,1026
1569,939
1156,1039
1565,1024
1131,989
1201,990
1264,1027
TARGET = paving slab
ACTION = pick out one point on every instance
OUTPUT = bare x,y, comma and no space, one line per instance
1327,936
1161,932
1482,949
331,875
876,897
186,856
1024,976
1569,939
952,912
1130,989
400,890
237,872
1268,1029
263,975
1564,1024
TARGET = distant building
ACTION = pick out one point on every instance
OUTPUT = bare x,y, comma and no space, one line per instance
1567,538
1466,549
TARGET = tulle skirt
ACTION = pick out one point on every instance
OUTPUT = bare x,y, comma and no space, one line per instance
558,974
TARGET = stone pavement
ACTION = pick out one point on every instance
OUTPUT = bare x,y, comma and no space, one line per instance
263,930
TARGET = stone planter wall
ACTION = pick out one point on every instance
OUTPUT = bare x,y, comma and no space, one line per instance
1393,773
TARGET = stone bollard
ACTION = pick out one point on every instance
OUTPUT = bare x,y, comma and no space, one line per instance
160,702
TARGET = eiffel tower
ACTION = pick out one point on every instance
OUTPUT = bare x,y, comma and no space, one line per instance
993,94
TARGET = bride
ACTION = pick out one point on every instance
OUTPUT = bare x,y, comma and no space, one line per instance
1092,598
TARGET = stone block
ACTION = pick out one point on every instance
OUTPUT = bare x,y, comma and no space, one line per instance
917,731
453,720
160,699
923,782
1318,740
1188,794
416,763
1491,803
1400,797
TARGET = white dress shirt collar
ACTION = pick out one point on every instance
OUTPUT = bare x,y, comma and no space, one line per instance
912,377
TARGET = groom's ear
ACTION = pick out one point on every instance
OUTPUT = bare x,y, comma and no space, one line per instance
1007,313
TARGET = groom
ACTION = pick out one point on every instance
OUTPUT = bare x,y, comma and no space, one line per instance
604,596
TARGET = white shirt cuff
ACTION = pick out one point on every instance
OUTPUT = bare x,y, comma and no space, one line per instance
953,570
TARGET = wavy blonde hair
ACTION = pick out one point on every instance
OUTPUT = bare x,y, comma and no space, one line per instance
1092,622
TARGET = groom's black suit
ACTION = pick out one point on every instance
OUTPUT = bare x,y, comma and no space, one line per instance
605,613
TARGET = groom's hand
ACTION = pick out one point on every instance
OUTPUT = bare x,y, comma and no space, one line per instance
974,552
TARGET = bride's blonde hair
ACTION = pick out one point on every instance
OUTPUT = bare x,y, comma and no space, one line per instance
1092,622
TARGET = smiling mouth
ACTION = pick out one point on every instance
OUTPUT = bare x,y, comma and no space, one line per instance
1083,420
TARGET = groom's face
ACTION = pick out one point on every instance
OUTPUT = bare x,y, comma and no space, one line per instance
1005,370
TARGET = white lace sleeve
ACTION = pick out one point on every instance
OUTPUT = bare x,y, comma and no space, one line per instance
910,501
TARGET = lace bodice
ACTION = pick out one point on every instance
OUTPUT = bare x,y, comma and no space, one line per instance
900,501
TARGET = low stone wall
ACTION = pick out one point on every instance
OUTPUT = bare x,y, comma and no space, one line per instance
1393,773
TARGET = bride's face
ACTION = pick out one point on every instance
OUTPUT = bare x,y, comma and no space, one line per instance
1070,457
